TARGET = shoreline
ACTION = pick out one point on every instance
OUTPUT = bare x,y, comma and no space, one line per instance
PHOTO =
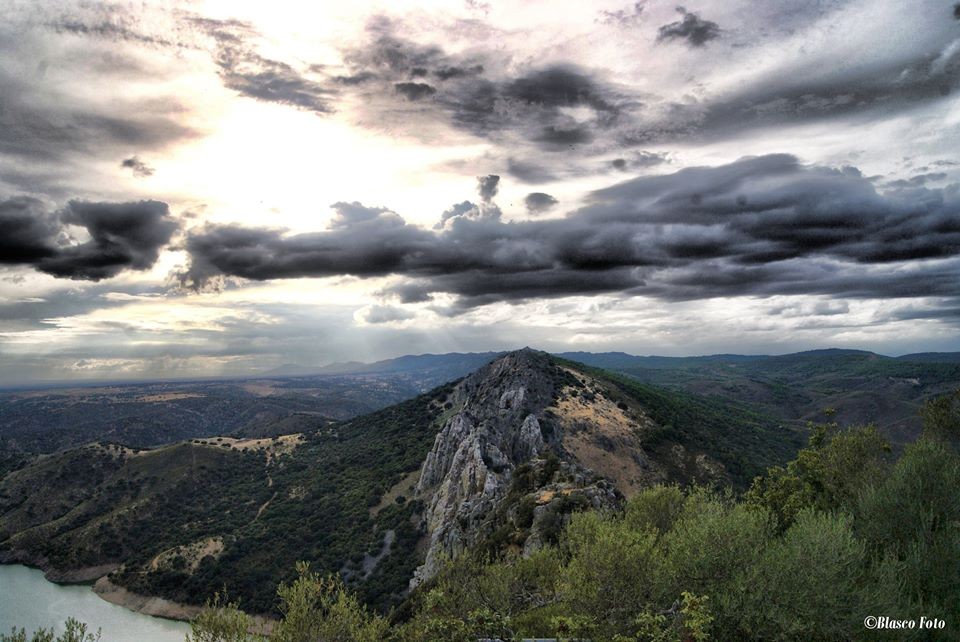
143,604
96,577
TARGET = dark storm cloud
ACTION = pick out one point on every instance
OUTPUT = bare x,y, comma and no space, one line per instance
453,71
245,71
529,106
122,236
52,130
538,202
692,28
477,93
414,90
361,241
52,119
760,226
137,166
28,233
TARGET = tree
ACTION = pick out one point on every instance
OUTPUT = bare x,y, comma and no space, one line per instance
74,631
320,609
222,621
912,520
805,585
941,418
827,475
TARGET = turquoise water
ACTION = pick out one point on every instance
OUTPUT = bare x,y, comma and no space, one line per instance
29,601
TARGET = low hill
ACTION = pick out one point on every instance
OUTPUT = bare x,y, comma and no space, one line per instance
146,415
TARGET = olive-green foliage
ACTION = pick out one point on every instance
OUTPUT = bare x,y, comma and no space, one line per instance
707,552
692,623
610,569
941,418
655,509
74,631
222,621
829,473
913,520
320,609
314,608
804,585
474,598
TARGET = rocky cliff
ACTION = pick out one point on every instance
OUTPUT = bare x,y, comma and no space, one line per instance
503,419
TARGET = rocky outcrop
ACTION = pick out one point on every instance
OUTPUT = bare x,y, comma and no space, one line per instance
496,426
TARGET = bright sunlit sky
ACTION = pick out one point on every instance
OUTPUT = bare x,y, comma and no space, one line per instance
213,188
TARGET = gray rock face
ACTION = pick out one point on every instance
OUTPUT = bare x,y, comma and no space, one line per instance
468,471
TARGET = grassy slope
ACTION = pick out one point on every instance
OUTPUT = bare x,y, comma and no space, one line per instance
91,506
744,440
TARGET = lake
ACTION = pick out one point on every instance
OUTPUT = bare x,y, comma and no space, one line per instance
29,601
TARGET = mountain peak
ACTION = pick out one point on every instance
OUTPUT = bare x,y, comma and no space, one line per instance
494,425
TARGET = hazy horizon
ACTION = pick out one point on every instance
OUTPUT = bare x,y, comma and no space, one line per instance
203,189
279,370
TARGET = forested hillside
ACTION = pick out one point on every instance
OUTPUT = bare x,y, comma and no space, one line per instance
372,497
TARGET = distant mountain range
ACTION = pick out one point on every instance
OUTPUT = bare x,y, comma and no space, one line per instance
456,361
858,385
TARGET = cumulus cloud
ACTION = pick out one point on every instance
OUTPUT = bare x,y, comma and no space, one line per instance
759,226
488,186
137,166
122,236
539,202
691,28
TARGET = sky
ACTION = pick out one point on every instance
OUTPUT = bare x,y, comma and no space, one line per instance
205,188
